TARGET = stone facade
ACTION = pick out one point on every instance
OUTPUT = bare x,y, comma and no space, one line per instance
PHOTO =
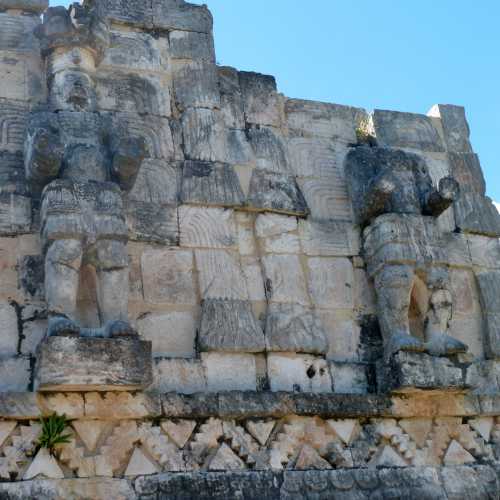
221,286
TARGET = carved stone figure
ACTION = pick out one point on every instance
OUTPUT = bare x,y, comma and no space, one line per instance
395,201
80,169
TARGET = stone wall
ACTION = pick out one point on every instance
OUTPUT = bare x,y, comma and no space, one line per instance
249,269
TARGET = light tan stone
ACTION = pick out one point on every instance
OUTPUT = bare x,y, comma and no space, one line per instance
252,271
343,335
89,432
331,282
247,244
418,429
6,429
8,326
179,432
180,375
140,465
44,465
71,405
168,277
260,430
225,459
121,405
230,372
482,425
268,225
387,457
309,459
285,280
456,454
347,429
172,333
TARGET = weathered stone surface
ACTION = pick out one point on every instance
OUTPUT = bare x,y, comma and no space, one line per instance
152,223
18,32
298,373
466,168
121,405
415,371
9,339
230,372
179,375
276,192
44,465
324,120
489,287
294,328
86,364
455,127
261,102
168,277
206,227
206,183
35,6
181,15
15,374
172,334
21,77
349,378
269,150
406,130
475,213
229,326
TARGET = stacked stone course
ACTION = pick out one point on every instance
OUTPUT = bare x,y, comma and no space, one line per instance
205,275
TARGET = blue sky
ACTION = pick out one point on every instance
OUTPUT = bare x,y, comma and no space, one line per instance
389,54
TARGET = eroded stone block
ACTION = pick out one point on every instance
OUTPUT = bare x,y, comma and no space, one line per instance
349,378
475,213
230,372
152,223
229,326
179,375
9,338
191,45
91,364
181,15
455,127
15,373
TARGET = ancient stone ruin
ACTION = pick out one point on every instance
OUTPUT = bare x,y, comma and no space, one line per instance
227,292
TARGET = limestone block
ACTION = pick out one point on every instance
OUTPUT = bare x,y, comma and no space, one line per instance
168,277
343,335
489,291
464,291
252,272
127,92
9,338
484,251
331,282
180,15
262,103
158,181
191,45
76,127
327,198
172,334
15,374
121,405
206,183
229,326
21,77
406,130
204,135
179,375
349,378
34,328
275,192
475,213
8,271
131,50
276,234
44,465
13,122
135,13
230,372
293,328
31,276
407,372
285,280
206,227
15,214
92,364
220,275
364,293
195,84
466,169
329,238
269,149
455,127
325,120
232,106
152,223
470,329
298,373
31,6
18,33
154,130
238,148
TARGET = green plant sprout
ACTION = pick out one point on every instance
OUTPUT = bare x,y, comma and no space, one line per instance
53,428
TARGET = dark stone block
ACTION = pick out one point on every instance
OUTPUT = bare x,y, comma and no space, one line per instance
31,276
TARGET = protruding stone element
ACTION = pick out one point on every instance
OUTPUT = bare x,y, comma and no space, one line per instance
309,459
90,364
225,459
489,287
261,430
184,376
140,465
44,465
89,432
179,432
388,457
294,328
409,371
347,430
230,372
6,429
406,130
274,192
477,214
456,454
229,326
34,6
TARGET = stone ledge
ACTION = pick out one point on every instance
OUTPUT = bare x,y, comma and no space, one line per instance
241,405
479,482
